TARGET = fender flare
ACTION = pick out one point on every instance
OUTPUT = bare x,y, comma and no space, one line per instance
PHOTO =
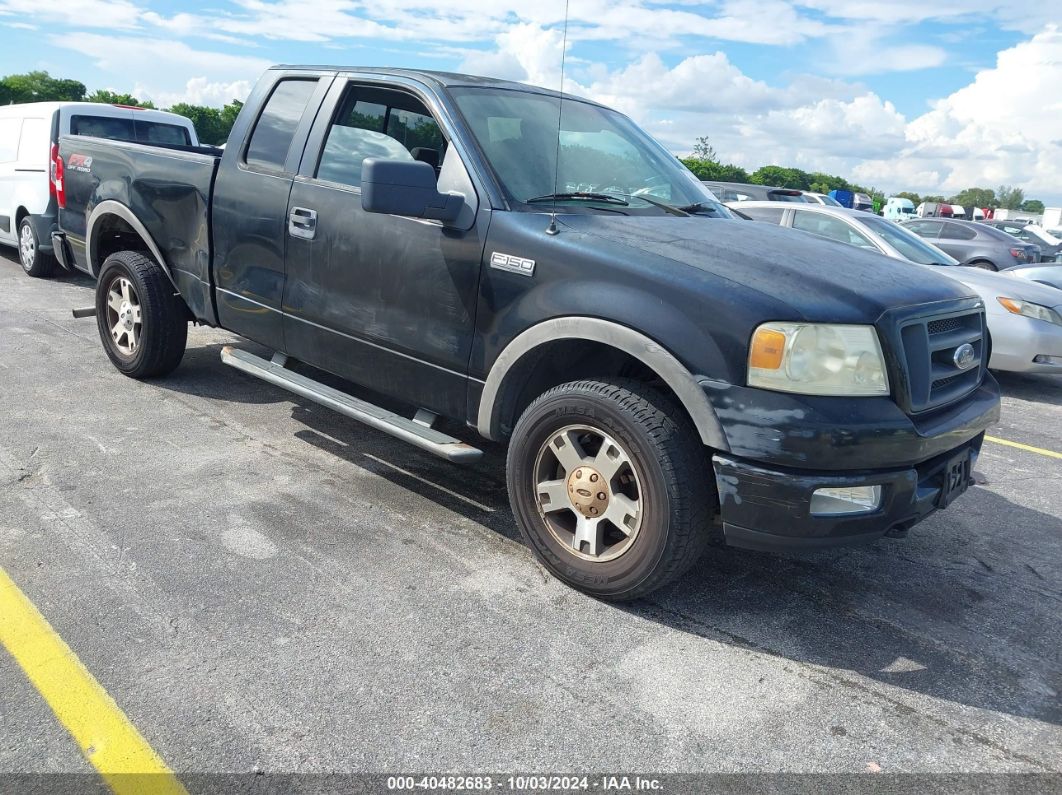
112,207
650,353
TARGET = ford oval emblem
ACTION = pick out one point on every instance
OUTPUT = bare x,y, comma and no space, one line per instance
964,356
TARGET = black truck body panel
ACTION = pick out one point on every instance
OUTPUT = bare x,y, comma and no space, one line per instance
417,310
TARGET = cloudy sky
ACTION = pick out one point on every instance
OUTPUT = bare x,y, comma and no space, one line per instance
924,95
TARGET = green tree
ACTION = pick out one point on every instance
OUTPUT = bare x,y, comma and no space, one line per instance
715,172
824,183
1010,198
914,197
114,98
703,150
976,197
782,177
229,114
1032,206
207,122
934,199
39,87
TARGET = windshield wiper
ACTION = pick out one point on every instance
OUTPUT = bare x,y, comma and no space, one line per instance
578,196
667,208
698,207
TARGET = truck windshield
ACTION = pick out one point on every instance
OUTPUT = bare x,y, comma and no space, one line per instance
908,243
604,156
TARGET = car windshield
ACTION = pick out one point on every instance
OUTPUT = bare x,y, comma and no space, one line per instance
606,163
830,201
907,242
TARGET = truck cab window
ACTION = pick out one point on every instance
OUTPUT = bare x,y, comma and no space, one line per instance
276,126
378,123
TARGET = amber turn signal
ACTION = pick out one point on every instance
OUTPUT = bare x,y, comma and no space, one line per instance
768,347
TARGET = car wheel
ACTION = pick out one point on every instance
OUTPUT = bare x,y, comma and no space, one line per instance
34,261
611,486
983,264
142,321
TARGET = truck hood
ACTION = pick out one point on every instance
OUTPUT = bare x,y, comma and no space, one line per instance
820,280
991,286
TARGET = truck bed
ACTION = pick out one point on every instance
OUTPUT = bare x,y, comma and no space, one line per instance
166,188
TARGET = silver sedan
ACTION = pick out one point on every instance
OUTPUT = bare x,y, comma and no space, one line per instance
1024,317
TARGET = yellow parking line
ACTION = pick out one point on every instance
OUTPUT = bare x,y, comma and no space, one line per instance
1027,448
99,727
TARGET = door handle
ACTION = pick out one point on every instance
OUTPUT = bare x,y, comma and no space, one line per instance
302,222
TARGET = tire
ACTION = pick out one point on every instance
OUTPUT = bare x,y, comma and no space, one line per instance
34,262
142,321
663,492
983,264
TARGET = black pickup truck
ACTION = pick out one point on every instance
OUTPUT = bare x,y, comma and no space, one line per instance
539,268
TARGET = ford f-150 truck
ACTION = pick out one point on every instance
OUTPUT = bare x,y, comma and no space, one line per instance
537,267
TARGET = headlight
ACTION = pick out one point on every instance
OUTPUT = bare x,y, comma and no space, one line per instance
817,359
1029,309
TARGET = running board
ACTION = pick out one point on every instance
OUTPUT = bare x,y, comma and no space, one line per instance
416,432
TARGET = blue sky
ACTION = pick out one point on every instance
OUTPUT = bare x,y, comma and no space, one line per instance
902,94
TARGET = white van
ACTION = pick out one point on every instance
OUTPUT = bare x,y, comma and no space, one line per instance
29,137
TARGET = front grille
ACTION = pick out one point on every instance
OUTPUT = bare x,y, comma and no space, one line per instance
934,379
944,326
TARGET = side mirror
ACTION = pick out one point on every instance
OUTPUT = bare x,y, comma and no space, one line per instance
406,187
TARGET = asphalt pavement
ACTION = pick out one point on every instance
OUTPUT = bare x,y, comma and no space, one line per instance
263,585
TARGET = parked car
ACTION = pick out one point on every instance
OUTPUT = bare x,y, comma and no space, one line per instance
897,208
1035,235
975,244
821,198
1050,274
652,362
1024,319
739,192
29,134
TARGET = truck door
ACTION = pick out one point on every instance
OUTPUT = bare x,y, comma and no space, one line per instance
382,300
249,211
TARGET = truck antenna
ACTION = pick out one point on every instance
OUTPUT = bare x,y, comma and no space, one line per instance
552,228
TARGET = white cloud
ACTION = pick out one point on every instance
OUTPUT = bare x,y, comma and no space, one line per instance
1004,127
159,68
197,91
83,13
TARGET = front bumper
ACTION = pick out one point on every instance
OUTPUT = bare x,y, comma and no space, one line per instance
770,509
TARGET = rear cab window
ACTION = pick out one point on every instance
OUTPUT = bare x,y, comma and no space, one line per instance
275,128
129,129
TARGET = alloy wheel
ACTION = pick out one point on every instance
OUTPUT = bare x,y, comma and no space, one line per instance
124,316
588,492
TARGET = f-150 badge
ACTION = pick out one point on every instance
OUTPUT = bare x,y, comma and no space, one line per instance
508,262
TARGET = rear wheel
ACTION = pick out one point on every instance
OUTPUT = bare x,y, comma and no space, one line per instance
983,264
142,321
34,261
611,487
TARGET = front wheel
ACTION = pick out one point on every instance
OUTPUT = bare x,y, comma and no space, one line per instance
611,487
34,261
142,321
